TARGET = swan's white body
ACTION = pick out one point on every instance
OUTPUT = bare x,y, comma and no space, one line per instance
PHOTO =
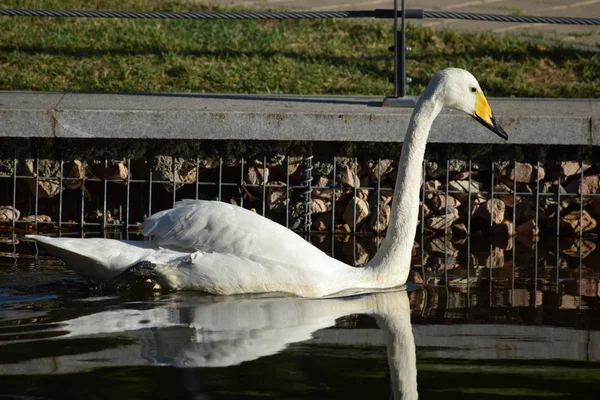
224,249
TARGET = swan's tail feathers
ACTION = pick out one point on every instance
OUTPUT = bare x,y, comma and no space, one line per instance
98,260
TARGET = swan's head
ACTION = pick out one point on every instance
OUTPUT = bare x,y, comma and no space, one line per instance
461,91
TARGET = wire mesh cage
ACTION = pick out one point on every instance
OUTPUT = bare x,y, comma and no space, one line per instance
498,223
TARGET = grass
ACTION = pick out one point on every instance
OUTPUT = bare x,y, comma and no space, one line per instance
304,57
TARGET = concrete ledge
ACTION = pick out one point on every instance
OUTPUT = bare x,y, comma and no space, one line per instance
282,117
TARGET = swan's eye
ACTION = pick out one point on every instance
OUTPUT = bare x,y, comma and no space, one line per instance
474,89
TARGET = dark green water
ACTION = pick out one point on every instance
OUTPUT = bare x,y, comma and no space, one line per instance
504,337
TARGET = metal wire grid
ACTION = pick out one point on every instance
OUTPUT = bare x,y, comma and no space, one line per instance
516,279
430,275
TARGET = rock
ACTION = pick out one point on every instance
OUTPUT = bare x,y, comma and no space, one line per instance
492,209
436,170
523,173
524,210
589,185
362,212
319,206
347,177
379,222
379,170
256,175
343,228
508,199
8,213
548,208
528,228
320,188
429,186
570,168
117,171
459,231
40,218
463,175
295,162
323,222
495,259
439,245
574,223
504,229
363,193
588,287
439,201
385,196
47,188
277,197
580,246
438,222
416,278
187,172
162,170
208,162
463,187
76,171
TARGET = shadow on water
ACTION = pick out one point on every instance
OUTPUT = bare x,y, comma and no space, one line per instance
468,327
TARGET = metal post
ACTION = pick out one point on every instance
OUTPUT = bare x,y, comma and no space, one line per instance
399,98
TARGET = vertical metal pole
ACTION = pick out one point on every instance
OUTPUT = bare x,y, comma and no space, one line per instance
402,77
399,53
264,186
492,224
37,189
60,197
378,198
422,219
128,198
396,46
197,176
446,223
469,238
355,196
333,193
105,194
557,233
242,182
220,198
514,239
580,229
150,189
537,219
287,191
14,198
174,180
82,219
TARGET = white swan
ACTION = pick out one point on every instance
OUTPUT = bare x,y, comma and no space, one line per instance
223,249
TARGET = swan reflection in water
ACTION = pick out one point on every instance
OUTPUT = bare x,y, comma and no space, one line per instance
225,331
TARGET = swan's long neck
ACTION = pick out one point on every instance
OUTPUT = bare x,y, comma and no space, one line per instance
391,264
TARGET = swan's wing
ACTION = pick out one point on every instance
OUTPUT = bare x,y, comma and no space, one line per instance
212,226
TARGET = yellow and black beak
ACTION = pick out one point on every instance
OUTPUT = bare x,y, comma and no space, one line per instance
483,114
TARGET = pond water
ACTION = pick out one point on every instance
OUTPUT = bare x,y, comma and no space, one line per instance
465,331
